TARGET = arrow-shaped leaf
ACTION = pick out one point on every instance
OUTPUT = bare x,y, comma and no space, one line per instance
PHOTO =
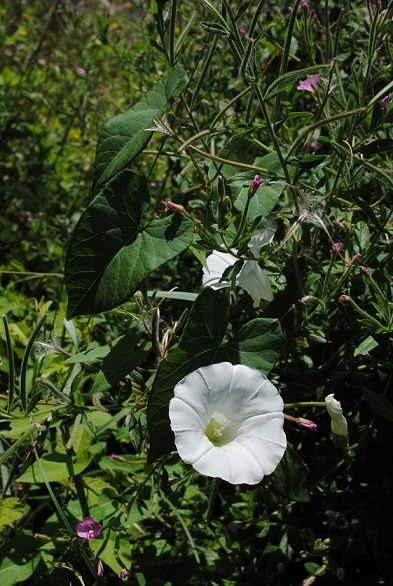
125,136
111,252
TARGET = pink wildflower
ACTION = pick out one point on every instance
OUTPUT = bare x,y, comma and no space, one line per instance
88,529
309,85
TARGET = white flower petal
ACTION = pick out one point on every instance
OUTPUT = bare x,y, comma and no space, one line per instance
217,263
253,280
232,462
193,445
260,238
228,422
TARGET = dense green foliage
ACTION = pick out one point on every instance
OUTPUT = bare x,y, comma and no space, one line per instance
131,140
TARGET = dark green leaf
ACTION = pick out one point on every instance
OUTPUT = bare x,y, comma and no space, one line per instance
215,28
368,344
290,477
258,344
380,404
111,252
125,136
376,146
120,361
309,161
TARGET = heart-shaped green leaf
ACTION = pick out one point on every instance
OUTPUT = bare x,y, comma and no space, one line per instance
111,252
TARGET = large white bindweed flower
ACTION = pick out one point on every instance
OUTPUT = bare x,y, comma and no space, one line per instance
251,277
228,423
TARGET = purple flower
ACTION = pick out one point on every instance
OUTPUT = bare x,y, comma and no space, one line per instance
309,85
313,145
123,574
384,103
336,247
357,257
339,224
242,29
255,183
80,70
304,5
88,529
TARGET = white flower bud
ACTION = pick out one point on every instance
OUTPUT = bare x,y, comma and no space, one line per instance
339,425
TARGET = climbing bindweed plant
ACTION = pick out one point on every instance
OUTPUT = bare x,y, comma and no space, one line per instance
229,301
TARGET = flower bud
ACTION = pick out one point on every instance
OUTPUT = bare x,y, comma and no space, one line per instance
224,207
174,207
339,425
255,183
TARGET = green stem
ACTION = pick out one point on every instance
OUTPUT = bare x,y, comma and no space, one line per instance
212,499
172,38
274,140
305,404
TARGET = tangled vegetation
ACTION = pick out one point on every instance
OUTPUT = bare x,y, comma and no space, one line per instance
190,184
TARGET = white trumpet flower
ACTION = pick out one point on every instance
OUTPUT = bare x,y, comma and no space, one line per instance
228,423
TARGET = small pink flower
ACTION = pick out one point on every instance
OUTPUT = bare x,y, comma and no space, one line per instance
313,145
80,70
309,85
255,183
339,224
357,257
242,29
336,247
88,529
123,574
304,299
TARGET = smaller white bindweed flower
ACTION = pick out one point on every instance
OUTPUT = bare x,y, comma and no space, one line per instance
339,425
228,423
251,277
